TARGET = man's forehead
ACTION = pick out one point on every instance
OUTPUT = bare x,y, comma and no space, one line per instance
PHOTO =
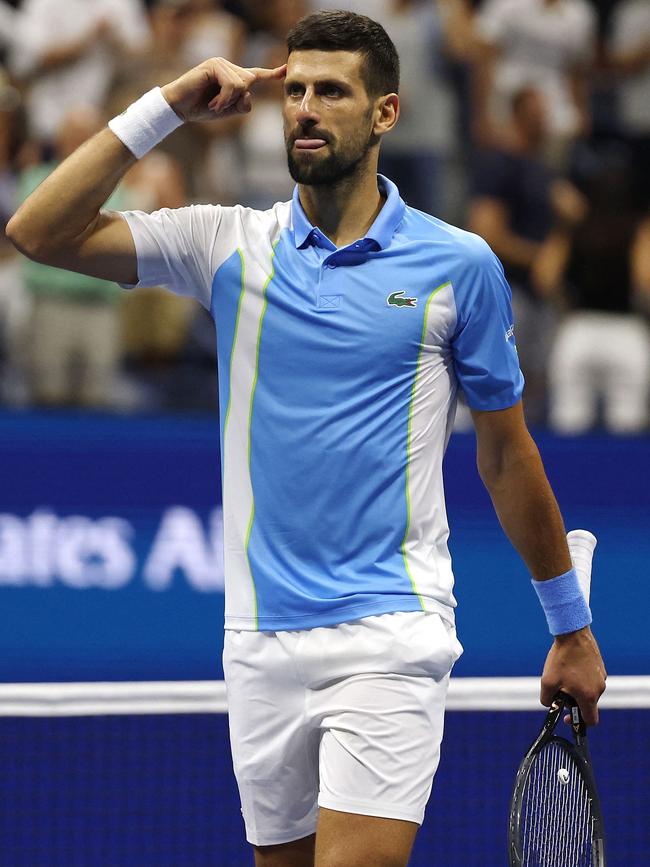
315,65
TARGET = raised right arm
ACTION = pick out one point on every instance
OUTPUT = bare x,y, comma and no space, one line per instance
62,223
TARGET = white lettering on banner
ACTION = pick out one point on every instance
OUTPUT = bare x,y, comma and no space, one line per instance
94,553
181,543
41,529
12,550
81,552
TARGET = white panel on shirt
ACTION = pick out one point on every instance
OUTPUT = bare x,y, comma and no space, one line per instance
183,248
433,408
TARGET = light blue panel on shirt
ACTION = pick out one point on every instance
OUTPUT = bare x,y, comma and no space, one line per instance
226,290
485,354
483,344
331,405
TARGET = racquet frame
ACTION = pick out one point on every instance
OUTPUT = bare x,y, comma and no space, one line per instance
579,750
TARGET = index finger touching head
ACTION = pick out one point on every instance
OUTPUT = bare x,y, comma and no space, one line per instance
261,73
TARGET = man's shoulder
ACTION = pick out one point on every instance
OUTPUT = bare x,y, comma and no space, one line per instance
451,240
278,215
249,222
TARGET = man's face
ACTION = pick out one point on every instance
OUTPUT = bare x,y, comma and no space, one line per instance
328,116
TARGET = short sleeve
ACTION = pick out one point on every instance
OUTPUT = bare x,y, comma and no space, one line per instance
483,344
181,248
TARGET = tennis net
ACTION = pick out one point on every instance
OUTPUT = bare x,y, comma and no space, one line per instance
139,774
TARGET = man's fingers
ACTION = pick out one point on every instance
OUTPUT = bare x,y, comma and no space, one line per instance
547,694
575,666
244,103
589,711
234,95
242,106
589,715
224,97
260,73
588,704
252,74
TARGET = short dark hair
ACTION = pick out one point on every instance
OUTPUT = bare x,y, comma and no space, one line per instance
338,30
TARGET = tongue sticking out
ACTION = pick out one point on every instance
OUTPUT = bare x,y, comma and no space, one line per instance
310,143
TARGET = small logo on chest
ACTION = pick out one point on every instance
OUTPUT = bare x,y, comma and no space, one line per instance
397,299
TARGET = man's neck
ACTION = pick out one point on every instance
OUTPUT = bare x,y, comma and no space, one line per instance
346,210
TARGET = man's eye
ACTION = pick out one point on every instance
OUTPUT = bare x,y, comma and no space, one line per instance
332,90
294,90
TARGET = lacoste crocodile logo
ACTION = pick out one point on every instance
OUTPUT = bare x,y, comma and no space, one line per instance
396,299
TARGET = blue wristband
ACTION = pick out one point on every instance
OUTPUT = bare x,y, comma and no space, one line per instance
565,607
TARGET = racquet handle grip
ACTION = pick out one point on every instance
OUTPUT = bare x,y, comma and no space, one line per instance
581,547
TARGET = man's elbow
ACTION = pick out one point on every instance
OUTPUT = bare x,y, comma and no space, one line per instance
490,470
27,241
498,467
17,233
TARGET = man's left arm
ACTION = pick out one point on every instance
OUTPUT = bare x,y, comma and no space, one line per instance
511,469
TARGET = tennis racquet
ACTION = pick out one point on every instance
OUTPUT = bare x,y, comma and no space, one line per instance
555,816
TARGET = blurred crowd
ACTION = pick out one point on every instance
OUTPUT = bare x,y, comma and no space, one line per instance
526,121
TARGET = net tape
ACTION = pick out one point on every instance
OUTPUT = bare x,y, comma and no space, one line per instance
209,696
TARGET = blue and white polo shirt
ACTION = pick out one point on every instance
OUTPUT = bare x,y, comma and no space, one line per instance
338,374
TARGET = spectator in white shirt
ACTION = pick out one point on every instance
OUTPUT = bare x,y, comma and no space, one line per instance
546,44
67,51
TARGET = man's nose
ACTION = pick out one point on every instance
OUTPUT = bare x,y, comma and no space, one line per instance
307,111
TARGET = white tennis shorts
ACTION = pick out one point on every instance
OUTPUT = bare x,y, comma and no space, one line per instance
347,717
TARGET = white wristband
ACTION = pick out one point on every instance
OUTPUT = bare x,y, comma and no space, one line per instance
145,123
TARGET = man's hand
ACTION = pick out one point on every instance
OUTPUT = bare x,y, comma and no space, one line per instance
574,665
216,88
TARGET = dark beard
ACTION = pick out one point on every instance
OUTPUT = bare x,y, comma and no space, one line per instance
336,166
333,168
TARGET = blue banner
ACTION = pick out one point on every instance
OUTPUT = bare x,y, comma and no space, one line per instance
111,561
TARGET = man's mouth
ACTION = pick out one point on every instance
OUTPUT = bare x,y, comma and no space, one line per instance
309,144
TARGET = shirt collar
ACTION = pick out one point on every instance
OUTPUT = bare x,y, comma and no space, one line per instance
381,231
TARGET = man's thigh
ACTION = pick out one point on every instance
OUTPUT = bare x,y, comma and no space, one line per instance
345,840
297,853
351,840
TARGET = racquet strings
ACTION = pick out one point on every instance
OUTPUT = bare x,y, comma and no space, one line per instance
556,816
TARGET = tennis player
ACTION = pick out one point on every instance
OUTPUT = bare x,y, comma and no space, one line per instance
346,322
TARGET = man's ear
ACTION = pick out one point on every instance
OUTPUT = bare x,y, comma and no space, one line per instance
387,114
